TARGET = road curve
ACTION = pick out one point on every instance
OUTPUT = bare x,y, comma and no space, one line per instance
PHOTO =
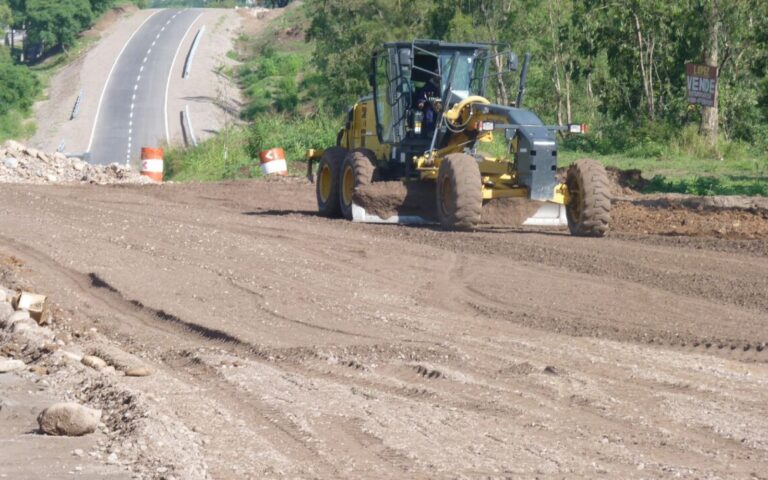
131,113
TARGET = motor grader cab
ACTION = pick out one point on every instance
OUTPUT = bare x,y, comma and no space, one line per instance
387,138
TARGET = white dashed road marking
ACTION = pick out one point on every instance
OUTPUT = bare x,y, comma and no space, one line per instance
136,86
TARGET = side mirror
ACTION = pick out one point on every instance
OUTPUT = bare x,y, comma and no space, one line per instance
512,62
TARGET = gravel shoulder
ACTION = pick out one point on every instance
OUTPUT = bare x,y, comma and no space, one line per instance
286,345
213,99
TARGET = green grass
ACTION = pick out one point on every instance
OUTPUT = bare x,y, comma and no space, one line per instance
688,164
15,125
222,157
234,153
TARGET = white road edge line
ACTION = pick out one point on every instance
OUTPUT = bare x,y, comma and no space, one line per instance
109,76
170,73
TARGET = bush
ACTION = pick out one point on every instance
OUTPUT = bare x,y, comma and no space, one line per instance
18,86
222,157
234,153
295,136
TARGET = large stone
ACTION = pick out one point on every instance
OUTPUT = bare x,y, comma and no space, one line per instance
22,324
9,365
69,419
94,362
14,317
6,310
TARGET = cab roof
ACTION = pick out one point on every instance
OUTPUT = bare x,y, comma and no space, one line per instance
428,44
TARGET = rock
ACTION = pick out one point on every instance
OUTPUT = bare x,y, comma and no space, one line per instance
13,145
112,458
34,335
22,324
10,365
15,317
6,310
94,362
20,164
69,419
4,297
138,372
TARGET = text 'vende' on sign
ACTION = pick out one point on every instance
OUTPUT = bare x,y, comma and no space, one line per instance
702,84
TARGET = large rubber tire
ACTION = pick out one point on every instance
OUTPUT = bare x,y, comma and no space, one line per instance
327,183
589,208
357,170
459,192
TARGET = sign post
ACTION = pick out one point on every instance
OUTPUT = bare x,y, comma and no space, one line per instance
702,84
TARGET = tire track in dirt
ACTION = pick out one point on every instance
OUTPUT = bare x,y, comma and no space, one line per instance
438,388
607,258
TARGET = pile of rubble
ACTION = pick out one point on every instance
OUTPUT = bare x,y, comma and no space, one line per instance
22,164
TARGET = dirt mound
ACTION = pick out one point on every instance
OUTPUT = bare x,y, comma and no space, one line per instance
668,217
386,199
21,164
509,211
620,182
625,182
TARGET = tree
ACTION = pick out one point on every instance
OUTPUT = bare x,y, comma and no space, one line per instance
18,85
57,22
6,16
709,117
345,33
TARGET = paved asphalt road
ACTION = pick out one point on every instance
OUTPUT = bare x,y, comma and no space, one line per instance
132,113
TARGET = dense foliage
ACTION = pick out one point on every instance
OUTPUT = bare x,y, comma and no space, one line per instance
617,65
53,23
18,86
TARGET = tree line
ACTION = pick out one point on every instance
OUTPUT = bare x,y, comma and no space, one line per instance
617,64
52,24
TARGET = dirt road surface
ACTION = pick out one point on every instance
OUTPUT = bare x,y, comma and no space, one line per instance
294,346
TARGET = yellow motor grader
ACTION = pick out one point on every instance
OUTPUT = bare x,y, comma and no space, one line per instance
389,137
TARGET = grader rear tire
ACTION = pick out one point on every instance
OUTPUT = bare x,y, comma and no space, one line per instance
327,184
459,192
589,210
357,170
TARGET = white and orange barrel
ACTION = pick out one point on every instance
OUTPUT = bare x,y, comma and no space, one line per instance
152,163
273,162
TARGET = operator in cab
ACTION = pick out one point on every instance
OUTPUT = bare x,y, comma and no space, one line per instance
428,101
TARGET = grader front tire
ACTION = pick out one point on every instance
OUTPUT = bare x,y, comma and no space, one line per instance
459,192
327,184
589,209
357,170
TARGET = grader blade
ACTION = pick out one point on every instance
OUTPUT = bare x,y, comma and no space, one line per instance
548,215
359,214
